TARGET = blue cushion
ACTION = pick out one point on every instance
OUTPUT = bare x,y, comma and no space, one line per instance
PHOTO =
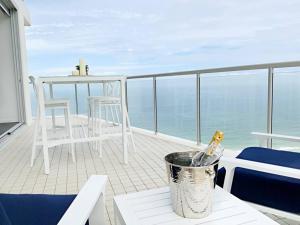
266,189
30,209
4,220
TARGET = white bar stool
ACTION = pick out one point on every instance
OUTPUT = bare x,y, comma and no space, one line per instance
112,105
62,104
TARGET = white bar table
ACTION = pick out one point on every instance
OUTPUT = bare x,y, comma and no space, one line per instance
77,80
154,207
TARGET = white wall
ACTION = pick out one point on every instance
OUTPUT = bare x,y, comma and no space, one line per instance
25,79
23,18
15,102
8,92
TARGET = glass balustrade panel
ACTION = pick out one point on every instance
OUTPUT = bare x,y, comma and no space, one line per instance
286,107
140,102
176,106
236,103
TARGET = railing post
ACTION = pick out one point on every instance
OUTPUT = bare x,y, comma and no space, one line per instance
154,105
270,104
52,110
126,95
89,89
198,106
76,98
89,94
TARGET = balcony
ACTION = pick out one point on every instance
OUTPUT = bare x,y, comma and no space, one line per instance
170,112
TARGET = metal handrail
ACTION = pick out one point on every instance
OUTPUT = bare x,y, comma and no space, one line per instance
221,69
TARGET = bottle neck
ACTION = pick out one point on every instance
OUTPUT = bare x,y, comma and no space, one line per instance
212,147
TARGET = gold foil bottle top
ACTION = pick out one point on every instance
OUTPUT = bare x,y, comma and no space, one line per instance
218,137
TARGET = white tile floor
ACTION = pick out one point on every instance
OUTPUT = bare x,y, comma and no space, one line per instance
145,170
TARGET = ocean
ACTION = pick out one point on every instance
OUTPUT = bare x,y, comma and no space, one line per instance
235,103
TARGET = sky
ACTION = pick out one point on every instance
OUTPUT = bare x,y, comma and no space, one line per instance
143,37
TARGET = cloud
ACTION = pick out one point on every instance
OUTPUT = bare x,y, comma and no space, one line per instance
168,35
36,44
125,68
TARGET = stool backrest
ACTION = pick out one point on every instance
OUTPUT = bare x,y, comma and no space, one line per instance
36,93
111,89
32,79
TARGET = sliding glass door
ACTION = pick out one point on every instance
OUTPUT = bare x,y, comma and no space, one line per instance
11,90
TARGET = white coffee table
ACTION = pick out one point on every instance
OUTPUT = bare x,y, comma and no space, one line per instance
153,207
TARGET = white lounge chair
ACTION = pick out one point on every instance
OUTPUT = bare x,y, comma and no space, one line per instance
268,179
36,209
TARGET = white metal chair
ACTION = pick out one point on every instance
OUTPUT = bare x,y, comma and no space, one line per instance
111,103
52,104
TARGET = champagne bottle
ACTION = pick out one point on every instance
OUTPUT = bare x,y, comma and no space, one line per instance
212,152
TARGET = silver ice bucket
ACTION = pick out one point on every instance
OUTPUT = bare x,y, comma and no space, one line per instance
191,187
